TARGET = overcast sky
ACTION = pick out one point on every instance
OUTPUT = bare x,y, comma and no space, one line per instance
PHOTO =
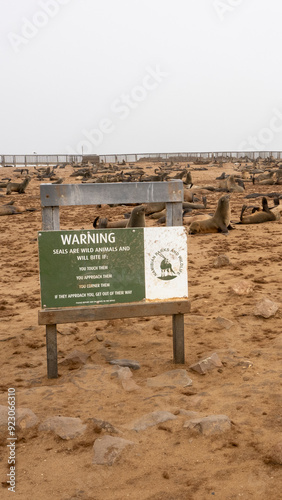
137,76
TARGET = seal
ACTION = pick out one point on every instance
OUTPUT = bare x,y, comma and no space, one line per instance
158,215
219,223
277,209
154,207
196,206
103,223
188,179
265,215
136,219
18,187
11,209
188,220
188,195
231,185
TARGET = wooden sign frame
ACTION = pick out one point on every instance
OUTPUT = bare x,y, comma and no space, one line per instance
55,195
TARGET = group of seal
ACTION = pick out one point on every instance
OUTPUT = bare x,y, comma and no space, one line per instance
220,222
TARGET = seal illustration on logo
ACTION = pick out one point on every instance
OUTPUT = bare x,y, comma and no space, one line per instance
166,264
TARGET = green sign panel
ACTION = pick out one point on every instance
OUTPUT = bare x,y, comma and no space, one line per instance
79,268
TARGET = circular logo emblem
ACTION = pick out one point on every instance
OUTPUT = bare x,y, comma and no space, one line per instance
166,264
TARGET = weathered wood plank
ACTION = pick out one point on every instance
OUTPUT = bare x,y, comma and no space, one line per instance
174,214
114,311
53,195
51,346
178,338
51,219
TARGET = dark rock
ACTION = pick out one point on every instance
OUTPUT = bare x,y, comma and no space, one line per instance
125,362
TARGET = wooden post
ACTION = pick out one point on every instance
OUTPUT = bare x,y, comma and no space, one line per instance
178,338
51,346
50,219
174,214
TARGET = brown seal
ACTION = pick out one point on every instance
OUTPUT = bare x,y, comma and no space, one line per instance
136,219
258,217
188,180
230,185
219,223
18,187
158,215
277,209
188,195
151,208
196,206
195,218
11,209
103,223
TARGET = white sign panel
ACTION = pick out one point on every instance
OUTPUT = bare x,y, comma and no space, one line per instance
166,274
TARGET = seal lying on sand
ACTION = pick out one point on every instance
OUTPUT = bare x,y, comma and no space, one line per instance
188,195
136,219
152,208
277,209
196,206
11,209
219,223
258,217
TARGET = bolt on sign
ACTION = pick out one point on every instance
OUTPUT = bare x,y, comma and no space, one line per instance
109,266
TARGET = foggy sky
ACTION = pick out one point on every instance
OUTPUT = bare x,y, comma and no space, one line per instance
137,76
